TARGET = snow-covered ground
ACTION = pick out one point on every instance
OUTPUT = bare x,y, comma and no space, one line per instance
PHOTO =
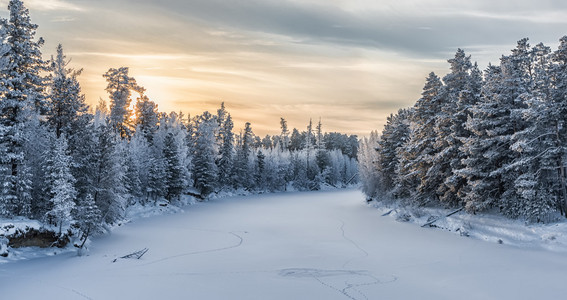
325,245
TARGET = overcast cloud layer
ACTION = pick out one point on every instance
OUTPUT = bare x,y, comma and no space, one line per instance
349,62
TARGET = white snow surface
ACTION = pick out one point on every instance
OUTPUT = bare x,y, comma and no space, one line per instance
323,245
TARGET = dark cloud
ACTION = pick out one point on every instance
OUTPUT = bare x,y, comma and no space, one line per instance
431,32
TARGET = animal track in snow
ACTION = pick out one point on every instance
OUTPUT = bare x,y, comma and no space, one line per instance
342,281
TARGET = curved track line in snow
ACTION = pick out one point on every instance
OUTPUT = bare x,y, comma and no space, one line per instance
235,245
326,278
364,252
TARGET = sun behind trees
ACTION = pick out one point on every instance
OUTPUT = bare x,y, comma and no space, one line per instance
79,171
498,142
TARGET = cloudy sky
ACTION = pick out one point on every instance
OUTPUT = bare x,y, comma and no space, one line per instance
349,62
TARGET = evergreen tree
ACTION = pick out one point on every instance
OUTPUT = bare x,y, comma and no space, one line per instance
21,96
297,141
243,173
260,171
558,95
284,136
88,220
417,157
174,170
147,118
120,87
226,153
449,131
66,103
487,150
204,169
108,185
368,165
61,185
319,136
157,185
394,137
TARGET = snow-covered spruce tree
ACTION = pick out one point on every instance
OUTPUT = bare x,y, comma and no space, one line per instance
540,186
83,150
457,96
140,157
38,142
61,185
487,149
558,97
267,142
311,166
174,172
260,171
157,185
120,87
296,141
243,170
393,138
147,117
132,181
284,135
108,185
21,96
65,101
537,189
226,154
417,157
204,169
299,166
517,87
88,218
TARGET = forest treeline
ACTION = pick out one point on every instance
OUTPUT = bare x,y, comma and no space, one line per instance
492,140
65,164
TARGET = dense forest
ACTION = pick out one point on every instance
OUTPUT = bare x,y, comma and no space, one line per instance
76,168
493,140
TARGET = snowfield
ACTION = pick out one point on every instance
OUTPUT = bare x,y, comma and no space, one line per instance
324,245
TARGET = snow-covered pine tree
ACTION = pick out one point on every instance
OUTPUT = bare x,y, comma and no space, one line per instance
21,96
174,172
60,185
267,142
242,170
394,137
487,149
83,149
65,101
537,189
226,154
284,135
449,130
456,184
417,157
297,140
368,165
299,166
260,171
37,140
132,181
147,117
204,169
558,95
88,218
517,87
120,87
108,184
157,186
140,157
